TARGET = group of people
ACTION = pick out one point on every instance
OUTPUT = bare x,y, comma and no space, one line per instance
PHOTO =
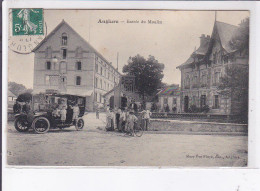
124,120
61,111
18,108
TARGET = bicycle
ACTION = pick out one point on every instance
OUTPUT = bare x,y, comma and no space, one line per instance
137,130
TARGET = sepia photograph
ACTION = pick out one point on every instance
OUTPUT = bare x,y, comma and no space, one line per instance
127,88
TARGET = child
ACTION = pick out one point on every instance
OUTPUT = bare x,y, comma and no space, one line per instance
110,120
131,121
56,112
63,111
75,113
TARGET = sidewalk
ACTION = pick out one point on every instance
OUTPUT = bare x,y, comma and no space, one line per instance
92,123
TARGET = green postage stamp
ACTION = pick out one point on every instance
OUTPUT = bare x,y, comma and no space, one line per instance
27,22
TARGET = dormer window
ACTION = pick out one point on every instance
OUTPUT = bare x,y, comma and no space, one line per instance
64,39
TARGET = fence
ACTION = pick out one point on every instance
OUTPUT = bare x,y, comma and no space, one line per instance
199,116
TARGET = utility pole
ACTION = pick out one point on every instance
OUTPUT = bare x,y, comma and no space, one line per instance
117,61
89,25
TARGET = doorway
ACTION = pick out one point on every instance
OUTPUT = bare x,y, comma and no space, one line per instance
123,102
186,103
111,102
202,101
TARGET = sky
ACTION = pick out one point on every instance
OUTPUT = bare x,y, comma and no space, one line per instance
170,42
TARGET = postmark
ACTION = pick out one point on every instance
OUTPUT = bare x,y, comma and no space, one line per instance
26,29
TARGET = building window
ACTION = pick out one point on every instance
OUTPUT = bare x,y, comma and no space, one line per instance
96,68
64,53
187,82
78,80
174,101
95,96
203,100
78,65
105,85
48,65
216,102
193,100
100,83
165,100
96,82
100,98
217,78
64,39
108,88
195,82
79,52
101,70
204,80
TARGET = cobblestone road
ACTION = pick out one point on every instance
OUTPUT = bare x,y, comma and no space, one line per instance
95,147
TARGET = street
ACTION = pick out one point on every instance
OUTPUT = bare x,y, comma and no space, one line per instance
94,147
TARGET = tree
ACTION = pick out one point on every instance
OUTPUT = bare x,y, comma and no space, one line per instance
148,74
240,41
234,84
18,88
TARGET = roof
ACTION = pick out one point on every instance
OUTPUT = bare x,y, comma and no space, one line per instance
113,89
11,94
63,22
226,32
202,50
187,62
170,90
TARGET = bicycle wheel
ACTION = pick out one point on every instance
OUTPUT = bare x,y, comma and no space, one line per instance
138,131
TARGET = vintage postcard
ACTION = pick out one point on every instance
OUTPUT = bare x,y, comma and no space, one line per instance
128,87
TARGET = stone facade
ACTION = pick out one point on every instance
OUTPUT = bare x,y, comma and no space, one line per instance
123,94
201,73
78,69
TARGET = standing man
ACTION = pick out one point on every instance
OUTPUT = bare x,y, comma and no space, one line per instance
118,113
122,120
147,116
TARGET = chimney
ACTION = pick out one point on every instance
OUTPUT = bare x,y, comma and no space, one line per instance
204,39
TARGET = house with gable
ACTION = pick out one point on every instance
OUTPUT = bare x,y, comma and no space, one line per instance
201,73
65,62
